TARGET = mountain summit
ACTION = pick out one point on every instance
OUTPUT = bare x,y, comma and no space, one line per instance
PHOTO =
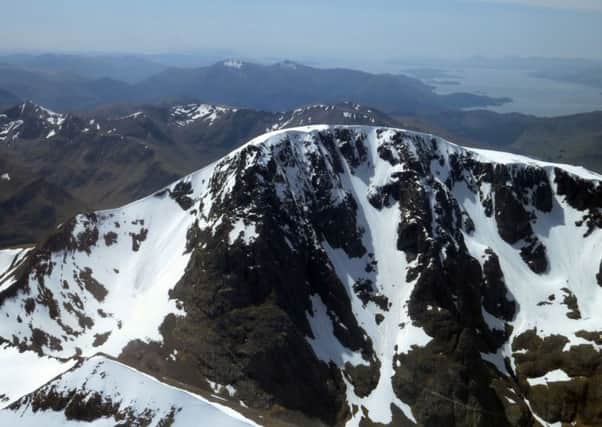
338,275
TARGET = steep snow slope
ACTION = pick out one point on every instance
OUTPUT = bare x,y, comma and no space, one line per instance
10,259
24,372
107,393
108,281
348,273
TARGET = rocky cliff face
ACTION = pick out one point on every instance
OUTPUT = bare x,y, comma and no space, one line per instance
339,275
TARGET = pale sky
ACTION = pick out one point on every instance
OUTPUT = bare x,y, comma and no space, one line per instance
375,29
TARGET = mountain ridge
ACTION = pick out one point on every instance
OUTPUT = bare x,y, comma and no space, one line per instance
84,154
101,387
380,271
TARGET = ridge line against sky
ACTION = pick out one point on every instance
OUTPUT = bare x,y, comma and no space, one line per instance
379,29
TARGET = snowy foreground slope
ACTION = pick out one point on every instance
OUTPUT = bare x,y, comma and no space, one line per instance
110,393
325,274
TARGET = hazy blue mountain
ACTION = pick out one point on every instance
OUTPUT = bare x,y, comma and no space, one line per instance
127,68
589,76
286,85
8,99
67,83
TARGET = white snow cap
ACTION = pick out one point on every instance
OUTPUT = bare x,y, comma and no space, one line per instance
231,63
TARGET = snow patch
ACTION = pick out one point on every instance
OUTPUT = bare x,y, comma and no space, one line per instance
184,115
325,344
10,128
552,376
233,64
135,115
248,233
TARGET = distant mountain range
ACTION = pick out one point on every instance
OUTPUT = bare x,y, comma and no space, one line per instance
127,68
8,99
286,85
74,83
61,91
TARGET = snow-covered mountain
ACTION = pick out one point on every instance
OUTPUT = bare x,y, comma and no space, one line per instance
29,121
343,113
330,274
184,115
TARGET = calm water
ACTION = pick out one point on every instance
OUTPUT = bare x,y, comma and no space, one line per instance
530,95
540,97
